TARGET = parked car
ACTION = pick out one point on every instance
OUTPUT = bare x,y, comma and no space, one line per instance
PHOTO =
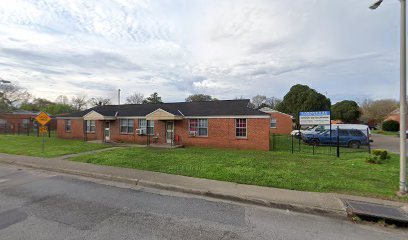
320,128
352,138
298,133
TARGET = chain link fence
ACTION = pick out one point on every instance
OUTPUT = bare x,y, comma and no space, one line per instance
335,147
24,128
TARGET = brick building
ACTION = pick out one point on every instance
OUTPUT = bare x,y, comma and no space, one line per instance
280,123
18,121
224,124
21,122
394,115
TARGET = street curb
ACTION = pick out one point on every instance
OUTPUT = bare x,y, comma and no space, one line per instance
78,173
248,200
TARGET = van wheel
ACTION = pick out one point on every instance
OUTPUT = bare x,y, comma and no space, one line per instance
354,144
314,142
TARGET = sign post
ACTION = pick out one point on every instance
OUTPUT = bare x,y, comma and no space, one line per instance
43,119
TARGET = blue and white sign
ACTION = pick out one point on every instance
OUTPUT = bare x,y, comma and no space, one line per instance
314,118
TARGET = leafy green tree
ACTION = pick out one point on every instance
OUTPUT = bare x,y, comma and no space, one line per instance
347,111
41,104
302,98
154,98
38,104
200,98
58,108
390,125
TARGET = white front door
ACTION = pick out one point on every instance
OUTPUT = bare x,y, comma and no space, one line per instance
107,131
169,131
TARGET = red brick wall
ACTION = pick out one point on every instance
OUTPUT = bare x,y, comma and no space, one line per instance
77,131
14,123
116,136
221,133
283,123
395,117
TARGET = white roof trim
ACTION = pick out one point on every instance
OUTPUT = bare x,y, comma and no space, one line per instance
180,112
275,111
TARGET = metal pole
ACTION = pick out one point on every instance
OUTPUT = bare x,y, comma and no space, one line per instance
292,143
403,103
118,97
368,138
42,146
338,142
300,136
313,149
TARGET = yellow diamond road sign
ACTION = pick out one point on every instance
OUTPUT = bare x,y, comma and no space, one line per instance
43,129
43,118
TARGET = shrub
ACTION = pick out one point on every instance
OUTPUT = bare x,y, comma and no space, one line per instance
390,125
378,156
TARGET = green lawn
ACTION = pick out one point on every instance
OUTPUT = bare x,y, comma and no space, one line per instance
384,132
349,174
31,146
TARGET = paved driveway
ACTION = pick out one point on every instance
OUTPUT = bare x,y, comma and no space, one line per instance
391,143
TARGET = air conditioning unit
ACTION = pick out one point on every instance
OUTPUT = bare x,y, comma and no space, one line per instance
193,133
141,131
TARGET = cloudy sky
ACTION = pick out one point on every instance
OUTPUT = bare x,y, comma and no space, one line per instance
225,48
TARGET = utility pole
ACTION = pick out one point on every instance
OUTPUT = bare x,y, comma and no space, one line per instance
118,96
403,96
403,101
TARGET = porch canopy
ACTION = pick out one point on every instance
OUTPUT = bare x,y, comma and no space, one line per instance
93,115
160,114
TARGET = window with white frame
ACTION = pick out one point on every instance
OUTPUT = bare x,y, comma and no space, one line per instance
273,122
127,126
147,125
68,125
90,126
198,127
241,127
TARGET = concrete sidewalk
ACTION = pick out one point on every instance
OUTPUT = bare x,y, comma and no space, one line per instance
329,204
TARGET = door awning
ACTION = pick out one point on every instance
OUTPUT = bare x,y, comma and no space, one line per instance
160,114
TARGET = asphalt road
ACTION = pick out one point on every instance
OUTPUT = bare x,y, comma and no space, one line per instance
41,205
391,143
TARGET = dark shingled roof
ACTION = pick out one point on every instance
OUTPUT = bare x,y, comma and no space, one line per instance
212,108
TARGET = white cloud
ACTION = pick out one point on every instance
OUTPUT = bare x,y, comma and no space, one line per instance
224,48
